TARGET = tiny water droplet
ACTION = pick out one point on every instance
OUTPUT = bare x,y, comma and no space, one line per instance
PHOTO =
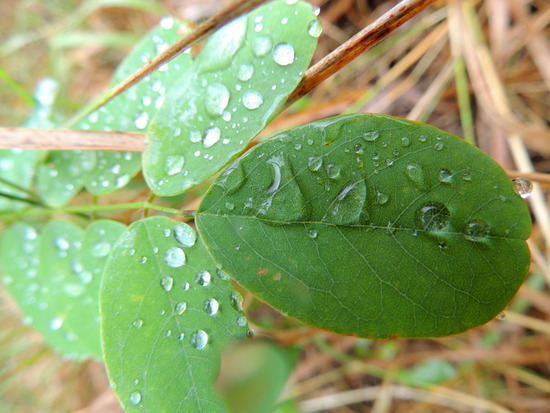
315,163
283,54
173,164
439,146
211,136
181,336
433,216
174,257
135,398
203,278
137,323
167,283
422,138
358,148
333,171
415,173
252,99
101,249
524,187
476,231
56,324
61,244
371,136
241,321
142,120
185,235
211,306
245,72
199,339
222,275
261,46
180,307
314,28
389,161
168,333
382,198
313,233
467,176
445,176
143,260
405,141
195,136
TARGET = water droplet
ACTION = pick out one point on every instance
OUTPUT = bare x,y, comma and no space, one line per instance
173,164
224,44
371,136
476,231
261,46
216,100
245,72
101,249
142,120
348,205
232,178
222,275
241,321
415,173
168,333
433,217
230,206
467,176
181,336
167,22
199,339
439,146
56,323
203,278
422,138
252,99
389,161
143,260
314,28
315,163
167,283
135,398
358,148
185,235
174,257
283,54
211,136
195,136
211,306
405,141
61,244
445,176
524,187
313,233
333,171
137,323
185,286
382,198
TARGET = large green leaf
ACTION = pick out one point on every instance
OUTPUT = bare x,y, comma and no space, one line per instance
371,225
133,110
166,315
235,87
55,276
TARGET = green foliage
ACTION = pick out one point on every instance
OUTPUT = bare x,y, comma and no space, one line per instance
167,313
236,86
371,225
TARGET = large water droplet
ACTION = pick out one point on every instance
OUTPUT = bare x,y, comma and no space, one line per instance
283,54
180,308
445,176
174,257
216,100
142,120
203,278
173,164
224,44
167,283
433,216
211,136
382,198
348,205
333,171
199,339
314,28
315,163
261,46
524,187
185,235
211,306
245,72
137,323
415,173
405,141
371,136
101,249
252,99
476,231
135,398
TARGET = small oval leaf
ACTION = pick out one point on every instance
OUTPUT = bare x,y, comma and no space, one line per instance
166,315
371,225
235,87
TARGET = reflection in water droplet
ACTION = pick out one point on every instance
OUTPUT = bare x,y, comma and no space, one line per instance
245,72
313,233
524,187
137,323
439,146
445,176
261,46
314,28
382,198
211,136
371,136
135,398
211,306
389,161
315,163
333,171
348,205
173,164
185,235
433,217
199,339
415,173
174,257
283,54
476,231
167,283
252,99
203,278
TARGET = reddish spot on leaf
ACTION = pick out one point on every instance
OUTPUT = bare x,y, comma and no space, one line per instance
262,271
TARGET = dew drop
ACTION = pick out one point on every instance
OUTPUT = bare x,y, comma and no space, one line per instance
314,28
371,136
389,161
142,120
241,321
382,198
135,398
313,233
358,148
195,136
261,46
433,217
405,141
315,163
199,339
185,235
524,187
333,171
203,278
167,283
137,323
415,173
245,72
173,164
101,249
61,244
167,22
476,231
211,306
283,54
422,138
211,136
181,336
348,205
445,176
252,99
216,100
174,257
467,176
56,324
439,146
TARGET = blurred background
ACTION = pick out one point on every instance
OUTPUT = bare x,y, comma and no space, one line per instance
477,68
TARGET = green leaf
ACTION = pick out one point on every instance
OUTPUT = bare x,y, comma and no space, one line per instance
235,87
371,225
17,167
55,279
59,179
132,110
428,372
166,315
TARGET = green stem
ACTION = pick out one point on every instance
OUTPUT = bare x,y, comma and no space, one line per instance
20,199
20,90
18,188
